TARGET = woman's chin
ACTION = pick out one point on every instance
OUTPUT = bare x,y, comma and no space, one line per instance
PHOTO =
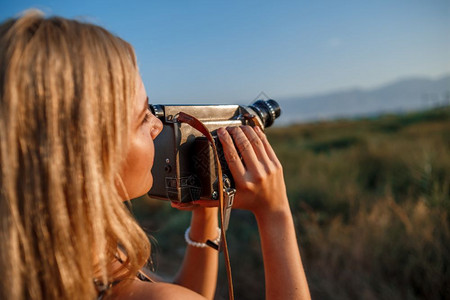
135,189
148,186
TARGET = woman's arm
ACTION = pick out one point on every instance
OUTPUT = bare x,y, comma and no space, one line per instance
261,189
200,265
197,276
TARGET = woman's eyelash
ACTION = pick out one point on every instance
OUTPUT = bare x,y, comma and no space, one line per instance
147,117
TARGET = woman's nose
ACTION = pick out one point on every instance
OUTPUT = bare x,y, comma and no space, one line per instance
157,127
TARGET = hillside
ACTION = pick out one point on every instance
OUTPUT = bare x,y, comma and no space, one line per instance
405,95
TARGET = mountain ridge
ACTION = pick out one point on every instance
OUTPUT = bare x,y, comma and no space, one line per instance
407,94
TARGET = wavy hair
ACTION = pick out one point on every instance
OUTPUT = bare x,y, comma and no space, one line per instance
66,95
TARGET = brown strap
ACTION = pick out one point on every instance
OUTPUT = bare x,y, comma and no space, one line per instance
254,121
195,123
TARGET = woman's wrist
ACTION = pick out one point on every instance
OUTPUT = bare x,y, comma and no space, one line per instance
204,224
273,216
280,207
202,244
276,225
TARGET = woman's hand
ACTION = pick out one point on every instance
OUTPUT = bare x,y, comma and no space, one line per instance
260,188
259,180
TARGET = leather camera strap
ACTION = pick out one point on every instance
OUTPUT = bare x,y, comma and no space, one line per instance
195,123
254,121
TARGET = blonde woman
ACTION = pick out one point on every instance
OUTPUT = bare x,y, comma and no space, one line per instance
76,140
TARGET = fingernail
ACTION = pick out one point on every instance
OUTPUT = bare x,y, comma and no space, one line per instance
258,129
221,131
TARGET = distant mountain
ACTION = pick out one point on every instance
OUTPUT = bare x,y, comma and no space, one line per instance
400,96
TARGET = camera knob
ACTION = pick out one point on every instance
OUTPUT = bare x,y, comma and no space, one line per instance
157,110
226,181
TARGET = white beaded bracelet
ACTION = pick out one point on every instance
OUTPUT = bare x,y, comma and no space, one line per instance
197,244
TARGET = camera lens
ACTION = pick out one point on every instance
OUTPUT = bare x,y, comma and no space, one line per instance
267,110
157,110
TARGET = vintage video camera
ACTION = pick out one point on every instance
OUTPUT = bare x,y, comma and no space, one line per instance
184,166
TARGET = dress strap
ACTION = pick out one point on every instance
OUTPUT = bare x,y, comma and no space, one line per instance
103,288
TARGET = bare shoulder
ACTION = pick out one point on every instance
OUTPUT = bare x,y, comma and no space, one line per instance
140,290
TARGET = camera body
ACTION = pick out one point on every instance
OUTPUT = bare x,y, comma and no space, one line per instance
184,167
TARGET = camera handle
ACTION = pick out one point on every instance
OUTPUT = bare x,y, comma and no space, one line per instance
228,197
224,208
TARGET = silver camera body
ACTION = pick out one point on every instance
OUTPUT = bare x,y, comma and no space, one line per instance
184,167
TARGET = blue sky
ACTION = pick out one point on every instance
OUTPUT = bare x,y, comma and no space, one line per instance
229,51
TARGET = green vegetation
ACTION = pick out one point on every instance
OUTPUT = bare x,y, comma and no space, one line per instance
371,202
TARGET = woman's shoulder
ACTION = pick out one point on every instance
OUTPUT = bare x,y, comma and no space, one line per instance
139,290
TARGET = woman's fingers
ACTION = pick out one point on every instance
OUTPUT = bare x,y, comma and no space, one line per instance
269,150
258,157
257,145
245,149
232,157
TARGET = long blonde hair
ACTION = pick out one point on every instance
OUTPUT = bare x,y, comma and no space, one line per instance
66,96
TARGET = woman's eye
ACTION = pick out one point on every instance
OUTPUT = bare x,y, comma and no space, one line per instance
148,116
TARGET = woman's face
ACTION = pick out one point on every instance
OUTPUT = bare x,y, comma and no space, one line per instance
136,170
